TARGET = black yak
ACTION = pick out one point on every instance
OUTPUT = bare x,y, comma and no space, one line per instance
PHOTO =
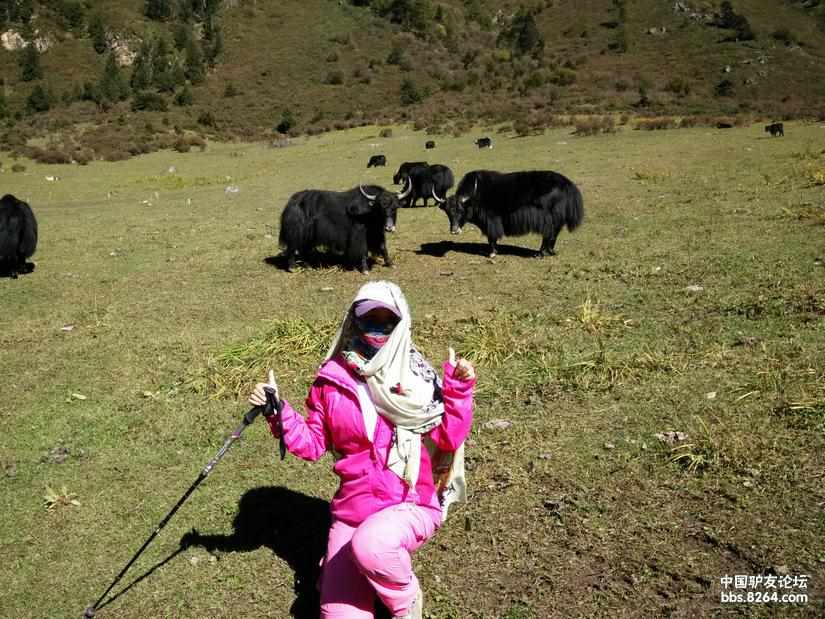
423,182
515,204
18,236
377,160
775,129
351,223
429,144
484,143
404,171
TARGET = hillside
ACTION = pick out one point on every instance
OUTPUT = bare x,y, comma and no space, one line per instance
313,65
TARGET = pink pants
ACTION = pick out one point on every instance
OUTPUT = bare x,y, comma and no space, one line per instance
373,559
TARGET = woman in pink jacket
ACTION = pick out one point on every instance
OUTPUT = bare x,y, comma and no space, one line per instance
397,433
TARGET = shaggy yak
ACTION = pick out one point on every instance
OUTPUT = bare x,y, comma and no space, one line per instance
515,204
351,223
18,236
775,129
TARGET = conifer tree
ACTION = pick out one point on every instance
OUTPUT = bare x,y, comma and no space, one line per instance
194,68
184,97
38,100
214,47
142,67
30,63
158,9
113,86
97,32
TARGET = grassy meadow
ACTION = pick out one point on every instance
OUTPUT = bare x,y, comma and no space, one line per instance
692,299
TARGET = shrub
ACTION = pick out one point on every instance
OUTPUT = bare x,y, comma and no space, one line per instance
658,123
563,77
18,167
182,145
286,123
385,133
230,90
395,56
409,93
678,86
184,97
83,156
38,100
149,102
335,77
50,156
207,119
783,35
332,56
723,88
593,125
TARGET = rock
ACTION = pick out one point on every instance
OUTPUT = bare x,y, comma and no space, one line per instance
58,455
694,288
671,438
12,40
710,395
67,328
497,424
609,446
232,190
781,570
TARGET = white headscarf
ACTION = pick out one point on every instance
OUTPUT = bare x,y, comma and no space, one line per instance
405,389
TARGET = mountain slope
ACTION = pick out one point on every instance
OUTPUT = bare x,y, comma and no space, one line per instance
331,64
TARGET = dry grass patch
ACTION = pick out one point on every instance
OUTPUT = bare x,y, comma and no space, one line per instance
231,372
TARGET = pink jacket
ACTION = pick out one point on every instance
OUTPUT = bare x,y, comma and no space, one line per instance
334,421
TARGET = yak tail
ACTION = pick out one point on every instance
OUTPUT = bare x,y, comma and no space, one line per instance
294,224
569,210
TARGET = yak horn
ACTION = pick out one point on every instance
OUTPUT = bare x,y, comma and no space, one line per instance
366,195
405,192
437,199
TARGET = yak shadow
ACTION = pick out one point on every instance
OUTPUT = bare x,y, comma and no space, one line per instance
5,270
292,525
321,260
440,249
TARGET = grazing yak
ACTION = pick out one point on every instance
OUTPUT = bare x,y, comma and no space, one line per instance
404,171
515,204
18,236
352,223
775,129
484,143
724,126
377,160
423,181
430,144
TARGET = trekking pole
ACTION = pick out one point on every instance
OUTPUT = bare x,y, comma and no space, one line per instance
272,405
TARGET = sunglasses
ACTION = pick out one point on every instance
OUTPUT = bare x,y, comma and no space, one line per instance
371,326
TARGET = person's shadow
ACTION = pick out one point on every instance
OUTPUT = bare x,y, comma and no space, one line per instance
293,525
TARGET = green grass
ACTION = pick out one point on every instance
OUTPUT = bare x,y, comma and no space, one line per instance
576,509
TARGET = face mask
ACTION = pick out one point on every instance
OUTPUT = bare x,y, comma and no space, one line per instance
370,337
